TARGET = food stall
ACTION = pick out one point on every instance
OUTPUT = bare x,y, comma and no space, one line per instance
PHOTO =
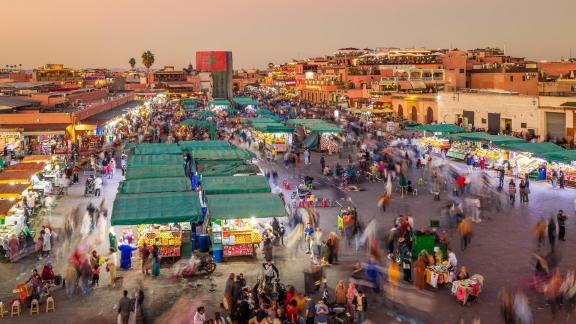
481,145
528,156
318,134
564,161
37,159
11,139
234,184
219,104
191,129
162,218
236,230
231,155
274,135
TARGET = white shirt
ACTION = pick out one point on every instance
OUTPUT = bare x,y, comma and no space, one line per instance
452,261
199,318
98,183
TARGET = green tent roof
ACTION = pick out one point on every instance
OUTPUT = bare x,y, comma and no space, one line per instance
206,114
197,123
228,169
565,156
245,101
220,102
203,145
266,120
190,110
231,111
485,137
438,128
263,112
149,172
190,102
156,148
534,148
156,208
316,125
154,185
221,155
234,185
149,160
272,128
258,205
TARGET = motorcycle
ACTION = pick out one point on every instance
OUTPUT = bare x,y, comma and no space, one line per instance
188,269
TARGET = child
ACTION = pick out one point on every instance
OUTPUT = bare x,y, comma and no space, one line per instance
95,275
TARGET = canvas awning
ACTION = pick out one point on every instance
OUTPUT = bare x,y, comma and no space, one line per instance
137,186
5,206
156,148
36,167
259,120
149,172
257,205
218,155
36,158
245,101
234,185
263,112
20,176
206,114
229,170
203,145
272,128
566,156
154,160
438,128
220,102
534,148
13,191
156,208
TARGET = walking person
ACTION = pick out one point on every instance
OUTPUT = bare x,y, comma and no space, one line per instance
465,231
360,305
561,217
307,157
124,308
322,163
540,231
551,232
512,191
501,177
111,263
155,257
97,186
145,258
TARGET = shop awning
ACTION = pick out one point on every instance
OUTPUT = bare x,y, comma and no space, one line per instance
138,186
37,133
206,114
156,148
197,123
190,102
190,110
534,148
316,125
156,208
231,111
234,185
36,158
485,137
260,120
565,156
245,101
229,170
263,112
154,160
14,191
202,145
272,128
257,205
36,167
149,172
220,102
216,156
5,206
21,176
438,128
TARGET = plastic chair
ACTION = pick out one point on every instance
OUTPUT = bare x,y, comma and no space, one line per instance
34,307
15,309
50,304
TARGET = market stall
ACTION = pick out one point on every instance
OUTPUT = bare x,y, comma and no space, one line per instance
11,139
192,129
274,135
137,186
46,142
481,145
235,169
154,160
318,134
190,146
149,172
528,156
220,156
155,149
245,102
235,231
37,159
219,104
564,161
164,218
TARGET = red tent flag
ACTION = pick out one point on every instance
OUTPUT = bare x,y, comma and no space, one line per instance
211,61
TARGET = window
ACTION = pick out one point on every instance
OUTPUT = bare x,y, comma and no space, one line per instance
523,78
511,78
461,70
523,125
483,120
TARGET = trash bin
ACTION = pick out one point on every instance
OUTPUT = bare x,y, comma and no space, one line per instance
312,280
217,256
203,242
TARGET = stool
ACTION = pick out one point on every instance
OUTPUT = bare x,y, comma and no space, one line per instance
50,304
2,310
15,309
34,307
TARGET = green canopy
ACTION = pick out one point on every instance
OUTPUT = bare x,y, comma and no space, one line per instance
191,110
245,101
272,128
565,156
266,120
229,170
316,125
234,185
438,128
156,148
220,102
190,146
138,186
257,205
206,113
149,172
534,148
190,102
216,156
157,160
197,123
263,112
156,208
231,111
485,137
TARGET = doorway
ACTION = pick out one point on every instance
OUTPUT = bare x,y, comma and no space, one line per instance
414,114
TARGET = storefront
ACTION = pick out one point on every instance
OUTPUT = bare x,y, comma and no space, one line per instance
11,139
236,231
562,161
274,136
46,142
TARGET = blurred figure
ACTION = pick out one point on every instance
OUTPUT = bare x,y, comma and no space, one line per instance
506,305
522,309
551,232
540,231
465,231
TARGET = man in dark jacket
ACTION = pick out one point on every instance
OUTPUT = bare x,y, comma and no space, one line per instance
124,307
551,232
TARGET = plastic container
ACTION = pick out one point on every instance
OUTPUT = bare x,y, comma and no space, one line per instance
218,256
203,242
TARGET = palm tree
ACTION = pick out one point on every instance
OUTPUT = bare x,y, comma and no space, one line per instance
132,62
147,61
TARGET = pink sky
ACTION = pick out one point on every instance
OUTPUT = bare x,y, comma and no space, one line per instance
106,33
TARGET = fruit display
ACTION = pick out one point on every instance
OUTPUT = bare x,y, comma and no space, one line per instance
169,251
494,154
435,142
526,164
238,250
569,172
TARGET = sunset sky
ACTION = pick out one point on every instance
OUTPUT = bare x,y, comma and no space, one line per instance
106,33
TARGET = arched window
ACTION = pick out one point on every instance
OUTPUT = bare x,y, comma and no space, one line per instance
400,111
429,115
414,114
